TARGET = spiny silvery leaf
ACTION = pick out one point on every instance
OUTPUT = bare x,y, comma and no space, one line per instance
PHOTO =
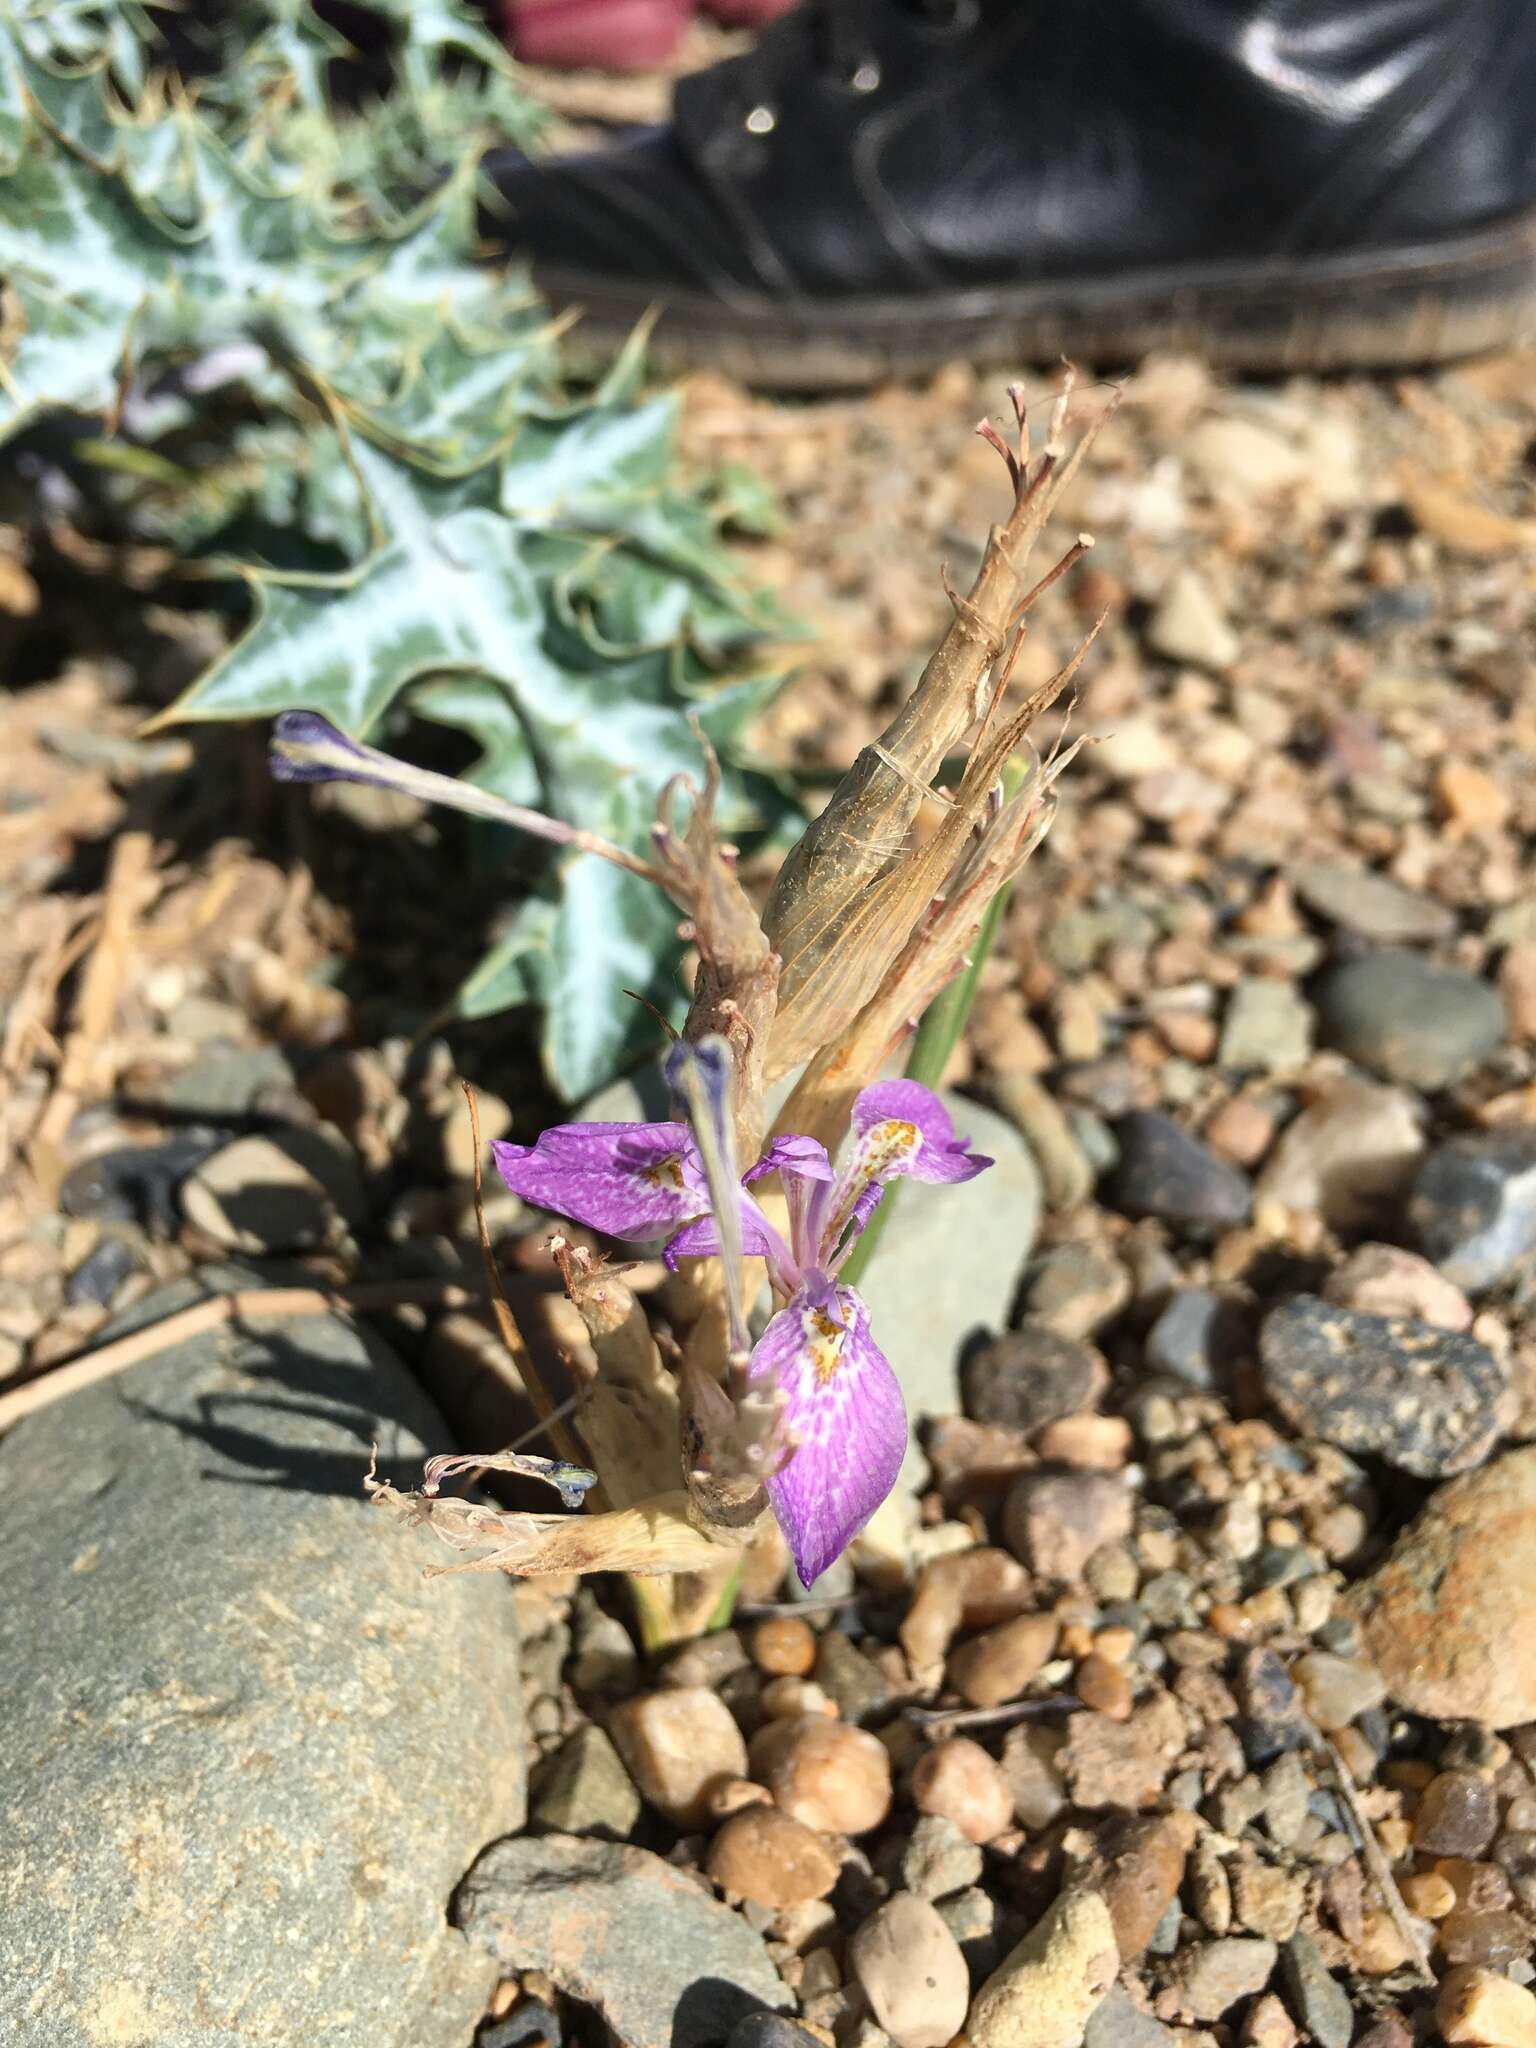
610,938
516,562
433,353
455,613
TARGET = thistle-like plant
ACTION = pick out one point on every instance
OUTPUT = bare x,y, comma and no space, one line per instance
256,315
866,925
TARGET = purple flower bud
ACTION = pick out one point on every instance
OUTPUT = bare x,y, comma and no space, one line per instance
307,748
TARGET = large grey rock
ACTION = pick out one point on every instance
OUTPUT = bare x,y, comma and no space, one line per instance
1429,1400
1408,1019
950,1260
1473,1207
1166,1173
245,1751
1372,904
664,1963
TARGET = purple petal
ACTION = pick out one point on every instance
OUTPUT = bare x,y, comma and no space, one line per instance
759,1240
794,1158
901,1127
844,1408
805,1173
634,1181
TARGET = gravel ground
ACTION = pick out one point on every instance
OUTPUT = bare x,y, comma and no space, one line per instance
1192,1699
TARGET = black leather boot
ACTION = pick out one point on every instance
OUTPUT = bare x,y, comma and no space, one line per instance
883,185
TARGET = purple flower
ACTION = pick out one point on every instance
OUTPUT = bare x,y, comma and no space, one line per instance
843,1416
631,1181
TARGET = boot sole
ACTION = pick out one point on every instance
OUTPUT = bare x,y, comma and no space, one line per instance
1393,309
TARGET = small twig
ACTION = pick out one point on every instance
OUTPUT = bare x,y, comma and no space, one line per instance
933,1720
566,1409
255,1305
1375,1856
1069,560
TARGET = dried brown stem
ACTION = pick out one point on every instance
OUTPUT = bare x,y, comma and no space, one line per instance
630,1413
862,833
937,897
653,1538
736,990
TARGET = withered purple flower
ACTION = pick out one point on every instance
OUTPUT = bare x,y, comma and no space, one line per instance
844,1422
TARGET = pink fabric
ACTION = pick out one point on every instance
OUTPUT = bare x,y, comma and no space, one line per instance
746,13
606,35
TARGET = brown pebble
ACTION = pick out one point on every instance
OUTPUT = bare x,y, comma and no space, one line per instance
912,1971
1242,1130
1144,1867
998,1664
784,1646
1045,1990
1385,1280
1457,1815
1055,1521
1428,1894
1379,1948
976,1589
1478,2006
959,1781
1210,1888
1267,1900
1089,1443
1390,2031
1494,1939
1076,1640
1395,1836
1360,1759
678,1745
1105,1687
735,1795
1268,2025
1480,1887
1029,1765
1437,1615
784,1698
1408,1774
1123,1763
1192,1647
1470,799
1116,1643
1517,985
831,1777
763,1855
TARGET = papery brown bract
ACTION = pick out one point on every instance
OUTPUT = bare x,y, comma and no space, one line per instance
861,839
